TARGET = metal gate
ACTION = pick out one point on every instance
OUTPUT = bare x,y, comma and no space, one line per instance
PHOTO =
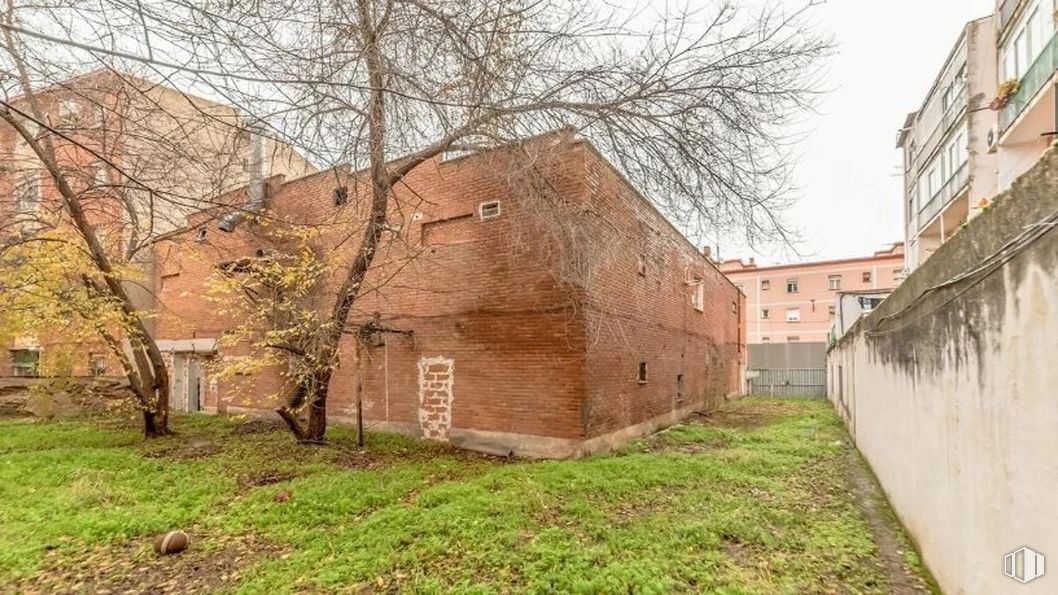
788,382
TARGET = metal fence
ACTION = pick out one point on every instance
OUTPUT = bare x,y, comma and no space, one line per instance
788,382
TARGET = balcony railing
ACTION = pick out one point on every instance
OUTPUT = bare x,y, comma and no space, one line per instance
954,114
942,197
1035,78
1006,13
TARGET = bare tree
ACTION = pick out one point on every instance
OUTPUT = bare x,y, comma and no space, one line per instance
691,104
104,166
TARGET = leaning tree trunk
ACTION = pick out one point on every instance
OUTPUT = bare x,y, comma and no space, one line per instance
151,380
309,392
312,390
150,371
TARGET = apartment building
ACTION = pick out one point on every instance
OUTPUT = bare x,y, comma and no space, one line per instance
947,162
504,337
1028,54
797,303
141,156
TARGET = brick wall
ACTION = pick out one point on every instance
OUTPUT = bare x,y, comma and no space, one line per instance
528,323
640,310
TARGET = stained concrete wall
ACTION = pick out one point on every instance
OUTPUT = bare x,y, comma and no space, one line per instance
950,393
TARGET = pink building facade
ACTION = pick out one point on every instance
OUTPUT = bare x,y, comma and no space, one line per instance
796,302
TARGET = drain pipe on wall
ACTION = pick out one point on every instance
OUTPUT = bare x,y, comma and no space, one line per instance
255,188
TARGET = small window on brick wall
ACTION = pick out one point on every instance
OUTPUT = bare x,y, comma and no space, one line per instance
698,294
97,364
341,195
642,373
25,362
490,209
866,276
641,265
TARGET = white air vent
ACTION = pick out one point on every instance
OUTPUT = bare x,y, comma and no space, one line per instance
490,209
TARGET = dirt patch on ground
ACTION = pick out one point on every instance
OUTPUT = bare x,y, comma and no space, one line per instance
210,563
745,415
885,529
265,478
258,425
732,418
177,448
360,459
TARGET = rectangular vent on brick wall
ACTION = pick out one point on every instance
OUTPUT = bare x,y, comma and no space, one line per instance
488,210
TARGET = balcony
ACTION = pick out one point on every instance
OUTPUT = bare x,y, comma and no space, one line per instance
952,188
1006,15
953,115
1034,80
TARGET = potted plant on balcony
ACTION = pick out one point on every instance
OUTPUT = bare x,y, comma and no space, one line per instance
1006,90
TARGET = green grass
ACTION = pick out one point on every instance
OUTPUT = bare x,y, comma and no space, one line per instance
725,507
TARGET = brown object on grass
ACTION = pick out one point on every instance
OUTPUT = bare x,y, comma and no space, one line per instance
171,543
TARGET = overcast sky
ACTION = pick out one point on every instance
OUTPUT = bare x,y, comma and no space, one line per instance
889,54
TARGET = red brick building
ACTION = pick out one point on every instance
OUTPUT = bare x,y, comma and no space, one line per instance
115,135
544,307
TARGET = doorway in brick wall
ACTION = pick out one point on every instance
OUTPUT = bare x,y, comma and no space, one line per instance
188,361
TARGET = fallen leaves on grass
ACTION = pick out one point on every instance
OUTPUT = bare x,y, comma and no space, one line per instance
213,562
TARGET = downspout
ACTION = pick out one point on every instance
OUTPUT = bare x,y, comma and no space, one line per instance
255,188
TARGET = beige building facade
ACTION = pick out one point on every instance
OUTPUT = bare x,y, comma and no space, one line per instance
797,303
948,167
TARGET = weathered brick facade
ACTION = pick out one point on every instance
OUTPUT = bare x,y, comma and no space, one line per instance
565,319
116,132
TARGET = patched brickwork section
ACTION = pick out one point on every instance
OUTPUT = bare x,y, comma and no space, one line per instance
435,397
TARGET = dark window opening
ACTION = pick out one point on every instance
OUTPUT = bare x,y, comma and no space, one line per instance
97,364
792,286
642,372
679,387
25,363
765,285
341,196
867,277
